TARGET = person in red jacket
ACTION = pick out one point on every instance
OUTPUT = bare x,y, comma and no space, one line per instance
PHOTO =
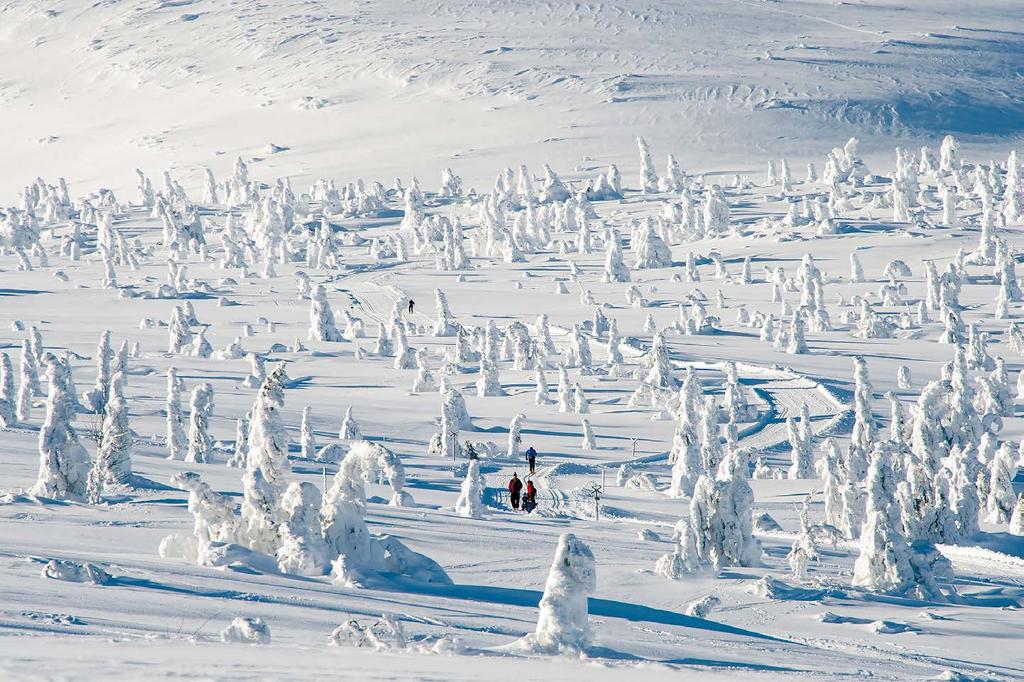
515,487
530,501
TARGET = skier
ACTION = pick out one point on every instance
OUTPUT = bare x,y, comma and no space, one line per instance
531,459
515,486
530,502
412,304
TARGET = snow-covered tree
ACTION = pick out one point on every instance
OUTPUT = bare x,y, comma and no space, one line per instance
832,471
659,367
302,549
650,249
266,467
113,464
177,441
349,427
214,521
515,438
179,332
683,558
579,354
307,439
721,515
856,269
405,355
1017,516
489,383
864,428
239,457
445,325
562,624
797,341
96,399
615,269
8,400
887,561
687,465
471,498
63,462
1000,495
29,375
589,442
357,553
800,437
716,212
321,317
200,442
648,176
257,371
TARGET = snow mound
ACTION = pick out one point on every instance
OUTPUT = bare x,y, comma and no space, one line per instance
764,523
246,631
74,572
775,589
889,627
568,469
700,608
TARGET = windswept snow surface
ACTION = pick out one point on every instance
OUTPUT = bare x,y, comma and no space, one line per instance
91,90
371,91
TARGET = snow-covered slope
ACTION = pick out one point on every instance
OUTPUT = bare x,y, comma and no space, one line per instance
91,90
242,559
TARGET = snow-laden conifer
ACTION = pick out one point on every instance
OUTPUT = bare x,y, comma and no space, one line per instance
470,503
63,462
177,441
562,623
200,442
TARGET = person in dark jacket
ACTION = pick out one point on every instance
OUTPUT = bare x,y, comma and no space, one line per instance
412,305
531,459
515,487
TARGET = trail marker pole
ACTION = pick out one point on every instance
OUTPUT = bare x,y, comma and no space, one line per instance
595,491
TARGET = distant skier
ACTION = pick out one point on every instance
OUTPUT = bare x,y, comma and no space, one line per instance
531,459
515,487
412,305
530,501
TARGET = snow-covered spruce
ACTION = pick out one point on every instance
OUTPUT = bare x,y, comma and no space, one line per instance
721,515
8,400
360,555
307,439
63,463
350,429
470,503
615,269
200,442
214,522
302,549
888,562
113,464
321,317
266,467
562,623
96,398
240,455
445,324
